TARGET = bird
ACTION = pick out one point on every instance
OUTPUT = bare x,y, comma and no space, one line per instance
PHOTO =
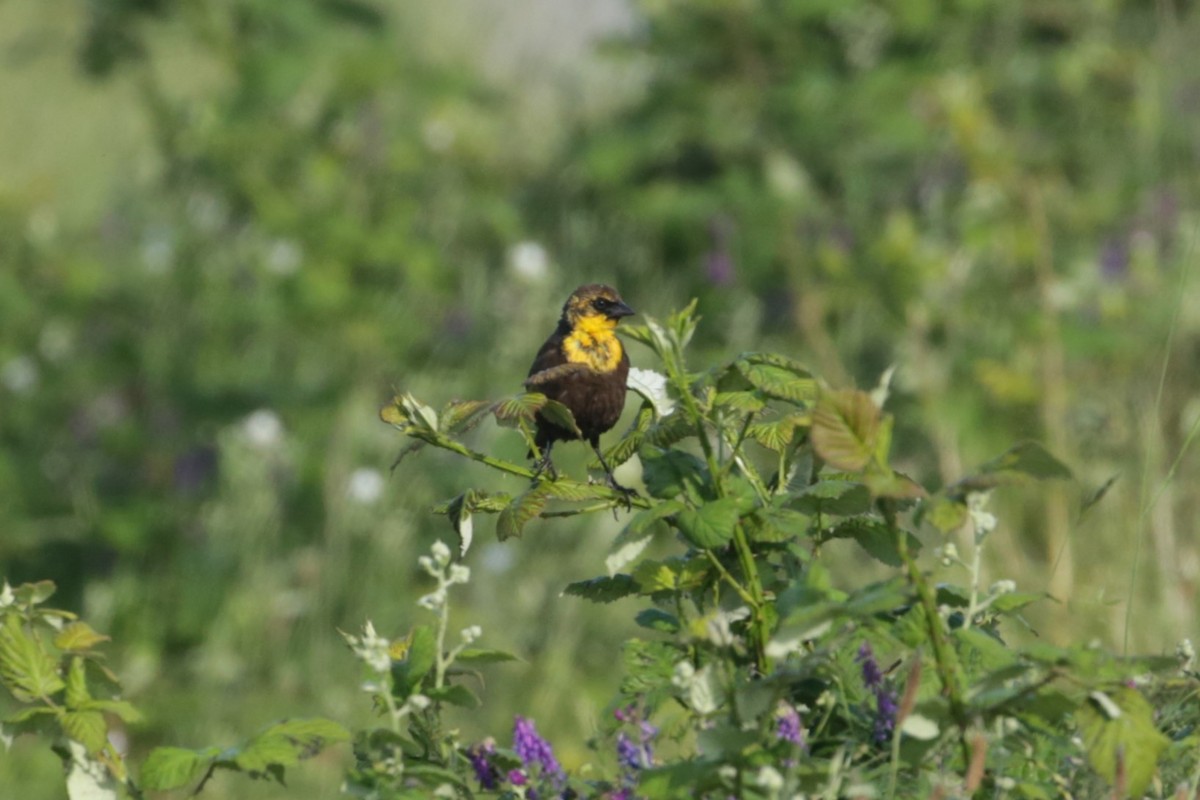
583,366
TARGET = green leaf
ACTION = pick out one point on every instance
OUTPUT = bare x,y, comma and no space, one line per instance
741,401
1097,495
460,416
120,708
778,377
656,619
26,668
846,429
32,594
77,689
1127,739
777,435
419,658
78,637
712,525
686,779
524,507
558,414
432,777
86,727
669,473
837,497
511,411
456,695
945,514
778,525
1028,459
474,655
603,589
876,538
286,743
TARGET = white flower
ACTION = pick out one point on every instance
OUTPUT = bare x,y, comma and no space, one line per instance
418,702
365,485
459,574
263,428
528,261
471,634
769,778
8,597
1003,587
433,601
441,553
371,648
426,563
983,520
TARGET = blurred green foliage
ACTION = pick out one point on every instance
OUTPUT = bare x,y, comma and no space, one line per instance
229,230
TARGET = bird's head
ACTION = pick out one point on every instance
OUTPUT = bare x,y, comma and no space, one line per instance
595,306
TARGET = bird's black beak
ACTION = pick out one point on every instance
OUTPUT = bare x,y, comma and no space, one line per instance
620,310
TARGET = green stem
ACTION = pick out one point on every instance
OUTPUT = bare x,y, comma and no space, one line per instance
482,458
732,581
943,655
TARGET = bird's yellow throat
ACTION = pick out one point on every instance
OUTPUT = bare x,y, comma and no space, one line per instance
593,342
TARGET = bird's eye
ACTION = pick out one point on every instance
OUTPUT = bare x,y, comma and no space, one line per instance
601,304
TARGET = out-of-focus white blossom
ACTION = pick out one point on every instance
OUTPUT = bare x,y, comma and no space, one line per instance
365,485
528,261
263,428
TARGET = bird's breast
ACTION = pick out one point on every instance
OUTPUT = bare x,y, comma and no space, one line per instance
600,351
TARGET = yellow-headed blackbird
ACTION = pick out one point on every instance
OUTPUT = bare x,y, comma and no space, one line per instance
583,366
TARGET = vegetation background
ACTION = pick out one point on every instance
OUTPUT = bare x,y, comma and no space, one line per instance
228,231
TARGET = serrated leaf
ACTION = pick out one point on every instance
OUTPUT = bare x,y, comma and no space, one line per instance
669,473
512,410
460,416
287,743
711,525
836,497
671,430
574,491
169,768
455,694
629,443
777,435
656,619
656,576
776,525
740,401
1131,738
558,414
524,507
876,538
778,377
78,637
603,589
845,429
86,727
26,669
652,386
474,655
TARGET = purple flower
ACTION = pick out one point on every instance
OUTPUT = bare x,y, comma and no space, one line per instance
885,698
517,777
872,677
533,749
788,727
485,772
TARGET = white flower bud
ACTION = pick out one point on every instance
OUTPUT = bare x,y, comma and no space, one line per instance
441,553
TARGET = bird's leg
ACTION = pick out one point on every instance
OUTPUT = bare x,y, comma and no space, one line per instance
626,492
544,464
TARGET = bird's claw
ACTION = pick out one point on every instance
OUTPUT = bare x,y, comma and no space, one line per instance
544,466
626,493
